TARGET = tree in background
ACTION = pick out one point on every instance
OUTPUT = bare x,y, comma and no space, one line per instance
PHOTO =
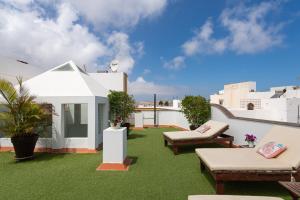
166,103
196,109
160,103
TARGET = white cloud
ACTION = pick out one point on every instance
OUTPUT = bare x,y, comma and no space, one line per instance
203,42
142,87
45,41
122,50
176,63
248,32
118,13
139,48
146,71
18,3
251,34
27,32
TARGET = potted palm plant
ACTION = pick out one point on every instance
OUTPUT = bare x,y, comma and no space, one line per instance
22,119
121,106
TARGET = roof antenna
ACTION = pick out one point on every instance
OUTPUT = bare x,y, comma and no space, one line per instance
114,65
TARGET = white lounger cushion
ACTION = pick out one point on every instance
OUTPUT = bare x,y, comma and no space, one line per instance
249,159
288,136
238,159
230,197
215,127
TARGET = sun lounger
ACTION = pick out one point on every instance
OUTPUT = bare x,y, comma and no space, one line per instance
245,164
186,138
230,197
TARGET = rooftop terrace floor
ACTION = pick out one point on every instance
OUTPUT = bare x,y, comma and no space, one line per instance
155,174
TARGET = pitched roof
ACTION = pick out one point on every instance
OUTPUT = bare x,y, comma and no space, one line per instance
65,80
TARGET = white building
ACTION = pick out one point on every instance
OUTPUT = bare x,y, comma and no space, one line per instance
80,104
174,105
277,104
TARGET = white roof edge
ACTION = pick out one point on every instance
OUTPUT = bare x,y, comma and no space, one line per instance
92,87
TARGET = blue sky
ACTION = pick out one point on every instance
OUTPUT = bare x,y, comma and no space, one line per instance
172,48
205,74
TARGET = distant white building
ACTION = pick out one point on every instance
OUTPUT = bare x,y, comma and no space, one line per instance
80,104
174,105
277,104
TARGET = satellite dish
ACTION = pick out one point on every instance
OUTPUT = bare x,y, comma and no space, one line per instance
114,65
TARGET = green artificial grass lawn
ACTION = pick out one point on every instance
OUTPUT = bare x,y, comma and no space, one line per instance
155,174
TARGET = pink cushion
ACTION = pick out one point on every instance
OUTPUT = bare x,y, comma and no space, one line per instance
203,128
271,149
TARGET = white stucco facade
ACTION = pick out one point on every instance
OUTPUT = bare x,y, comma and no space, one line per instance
80,105
277,104
111,81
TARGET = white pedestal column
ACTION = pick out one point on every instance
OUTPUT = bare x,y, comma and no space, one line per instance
114,145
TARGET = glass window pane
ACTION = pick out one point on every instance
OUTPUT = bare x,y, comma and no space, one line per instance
66,67
75,120
100,118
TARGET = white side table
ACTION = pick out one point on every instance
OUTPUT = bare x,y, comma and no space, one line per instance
114,145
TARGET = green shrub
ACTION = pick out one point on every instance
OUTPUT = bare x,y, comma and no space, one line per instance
121,105
196,109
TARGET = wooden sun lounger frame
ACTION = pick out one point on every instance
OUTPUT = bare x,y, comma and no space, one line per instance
246,175
219,137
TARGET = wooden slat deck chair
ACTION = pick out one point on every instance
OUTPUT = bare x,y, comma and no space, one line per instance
215,134
245,164
230,197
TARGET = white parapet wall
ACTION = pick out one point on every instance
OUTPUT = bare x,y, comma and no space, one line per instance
239,126
164,117
138,120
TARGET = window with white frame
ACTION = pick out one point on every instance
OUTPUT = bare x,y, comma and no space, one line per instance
75,120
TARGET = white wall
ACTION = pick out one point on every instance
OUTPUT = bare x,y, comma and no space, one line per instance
215,98
239,127
233,93
292,93
138,120
260,95
165,117
292,110
111,81
274,109
58,139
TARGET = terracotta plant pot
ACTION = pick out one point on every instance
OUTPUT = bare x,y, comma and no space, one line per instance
24,146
